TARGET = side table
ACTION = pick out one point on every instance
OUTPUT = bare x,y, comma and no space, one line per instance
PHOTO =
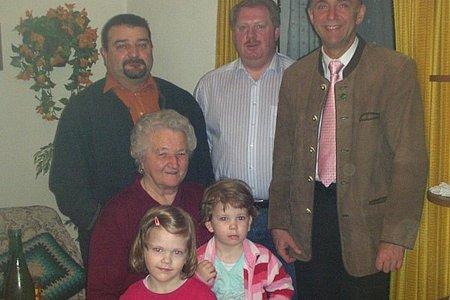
438,199
442,201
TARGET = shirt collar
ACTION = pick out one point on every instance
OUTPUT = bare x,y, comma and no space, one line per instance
345,58
112,83
275,65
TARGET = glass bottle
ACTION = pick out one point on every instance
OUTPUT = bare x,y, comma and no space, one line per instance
18,284
37,290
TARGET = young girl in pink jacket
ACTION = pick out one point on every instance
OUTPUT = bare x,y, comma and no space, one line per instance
235,267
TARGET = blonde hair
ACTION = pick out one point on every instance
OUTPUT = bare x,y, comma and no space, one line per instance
176,221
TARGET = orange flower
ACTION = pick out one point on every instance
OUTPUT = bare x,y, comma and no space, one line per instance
48,116
84,62
60,10
59,50
41,79
88,38
38,39
39,109
82,19
26,74
26,52
83,78
95,57
40,62
70,6
57,60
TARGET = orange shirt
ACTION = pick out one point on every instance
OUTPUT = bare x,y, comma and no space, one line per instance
140,102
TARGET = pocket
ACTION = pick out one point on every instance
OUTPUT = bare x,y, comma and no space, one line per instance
377,201
369,116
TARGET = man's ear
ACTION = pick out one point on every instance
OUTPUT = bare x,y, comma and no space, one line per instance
277,33
104,55
209,226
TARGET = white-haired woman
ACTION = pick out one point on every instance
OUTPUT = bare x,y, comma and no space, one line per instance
161,144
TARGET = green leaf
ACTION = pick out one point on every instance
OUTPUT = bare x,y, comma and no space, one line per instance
36,87
14,49
43,159
16,62
64,101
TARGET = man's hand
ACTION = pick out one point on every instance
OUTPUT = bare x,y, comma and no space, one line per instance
283,241
206,271
389,257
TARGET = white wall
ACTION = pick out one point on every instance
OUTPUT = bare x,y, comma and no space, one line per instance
22,131
184,37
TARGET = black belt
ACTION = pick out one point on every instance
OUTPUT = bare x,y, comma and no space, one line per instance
261,203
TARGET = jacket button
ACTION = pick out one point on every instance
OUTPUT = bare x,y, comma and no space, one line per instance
310,179
312,149
315,118
323,87
308,211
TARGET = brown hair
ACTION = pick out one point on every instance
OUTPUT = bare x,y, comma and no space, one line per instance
124,19
233,192
272,7
176,221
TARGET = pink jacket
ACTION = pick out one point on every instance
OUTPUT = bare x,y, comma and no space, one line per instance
264,275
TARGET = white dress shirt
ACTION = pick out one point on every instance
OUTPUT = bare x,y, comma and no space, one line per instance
240,115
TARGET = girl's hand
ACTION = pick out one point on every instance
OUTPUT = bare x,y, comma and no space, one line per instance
206,271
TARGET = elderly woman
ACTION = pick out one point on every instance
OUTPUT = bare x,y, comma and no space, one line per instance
161,144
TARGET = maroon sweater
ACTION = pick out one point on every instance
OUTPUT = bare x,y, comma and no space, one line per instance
109,274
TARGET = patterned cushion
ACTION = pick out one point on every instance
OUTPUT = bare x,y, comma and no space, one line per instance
58,273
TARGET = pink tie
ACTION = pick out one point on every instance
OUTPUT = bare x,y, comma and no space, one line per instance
327,141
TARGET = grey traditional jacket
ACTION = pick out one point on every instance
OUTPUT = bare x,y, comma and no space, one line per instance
381,156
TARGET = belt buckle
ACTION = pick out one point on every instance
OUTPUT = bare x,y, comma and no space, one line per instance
261,203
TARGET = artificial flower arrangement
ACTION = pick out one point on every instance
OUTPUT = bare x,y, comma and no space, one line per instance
62,37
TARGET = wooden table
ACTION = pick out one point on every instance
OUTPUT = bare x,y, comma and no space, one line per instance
438,199
442,201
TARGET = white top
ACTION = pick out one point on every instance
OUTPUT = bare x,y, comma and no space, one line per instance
240,115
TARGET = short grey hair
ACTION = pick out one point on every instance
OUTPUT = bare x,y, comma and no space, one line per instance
163,119
272,7
311,1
